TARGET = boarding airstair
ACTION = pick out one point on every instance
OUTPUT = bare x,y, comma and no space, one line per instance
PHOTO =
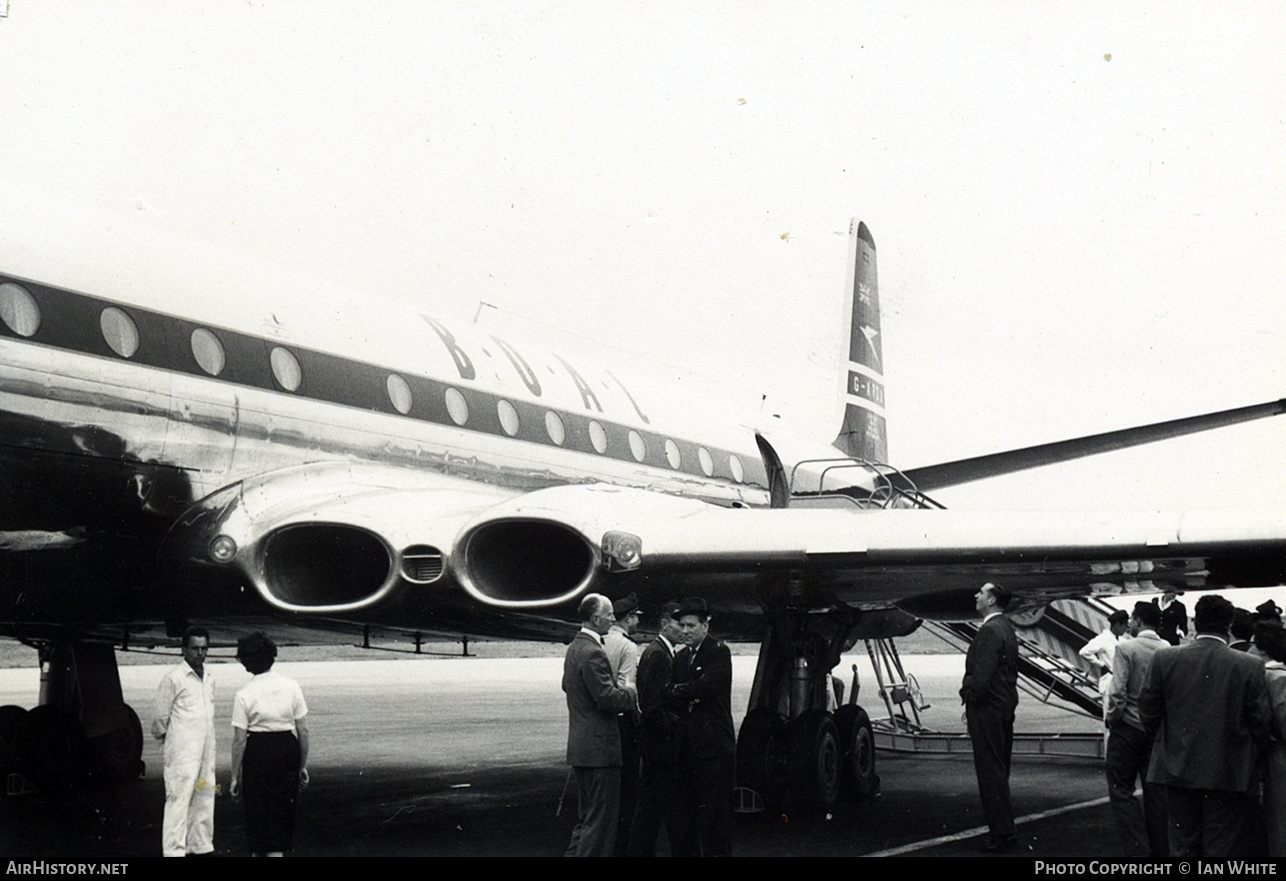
1049,670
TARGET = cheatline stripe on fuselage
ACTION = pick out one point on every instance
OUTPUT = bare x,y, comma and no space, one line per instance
71,322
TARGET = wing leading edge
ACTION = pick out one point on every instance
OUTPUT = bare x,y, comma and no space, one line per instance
933,477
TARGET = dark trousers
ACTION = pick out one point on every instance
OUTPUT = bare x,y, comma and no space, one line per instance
706,788
1142,827
991,732
598,802
629,781
1207,823
658,802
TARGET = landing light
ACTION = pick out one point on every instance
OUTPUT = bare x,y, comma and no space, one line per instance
223,549
622,552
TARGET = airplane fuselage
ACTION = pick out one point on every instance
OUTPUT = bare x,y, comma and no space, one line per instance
117,419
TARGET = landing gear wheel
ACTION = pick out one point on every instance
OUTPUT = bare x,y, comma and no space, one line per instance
758,754
857,744
52,748
815,759
11,717
118,754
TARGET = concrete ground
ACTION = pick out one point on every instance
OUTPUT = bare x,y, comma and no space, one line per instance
464,757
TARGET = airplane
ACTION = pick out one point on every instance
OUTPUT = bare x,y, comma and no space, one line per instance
242,470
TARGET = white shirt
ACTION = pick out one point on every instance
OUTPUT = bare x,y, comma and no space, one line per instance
1100,650
269,702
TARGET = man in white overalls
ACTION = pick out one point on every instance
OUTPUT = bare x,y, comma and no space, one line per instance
185,721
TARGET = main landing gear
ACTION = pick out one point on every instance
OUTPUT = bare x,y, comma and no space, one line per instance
81,729
800,746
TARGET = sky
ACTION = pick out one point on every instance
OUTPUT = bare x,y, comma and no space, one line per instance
1078,207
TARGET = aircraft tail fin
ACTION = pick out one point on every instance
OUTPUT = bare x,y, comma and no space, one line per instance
862,433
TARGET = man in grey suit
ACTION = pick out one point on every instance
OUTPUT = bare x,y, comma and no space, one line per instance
1129,748
990,695
1207,706
593,735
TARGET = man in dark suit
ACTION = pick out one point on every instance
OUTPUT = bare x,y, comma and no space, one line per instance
1207,706
593,736
708,743
990,695
658,740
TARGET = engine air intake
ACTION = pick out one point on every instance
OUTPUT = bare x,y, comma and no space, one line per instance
527,562
324,564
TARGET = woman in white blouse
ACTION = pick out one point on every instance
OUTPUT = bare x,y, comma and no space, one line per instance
269,748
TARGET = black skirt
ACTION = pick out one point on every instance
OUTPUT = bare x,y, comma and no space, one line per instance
270,788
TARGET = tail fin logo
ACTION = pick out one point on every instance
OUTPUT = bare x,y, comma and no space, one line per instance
870,333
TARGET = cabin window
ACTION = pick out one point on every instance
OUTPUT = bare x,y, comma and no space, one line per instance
554,427
672,453
119,331
18,310
457,406
208,351
738,473
706,460
508,417
637,446
285,367
399,394
597,436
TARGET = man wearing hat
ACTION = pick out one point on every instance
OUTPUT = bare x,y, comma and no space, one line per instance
622,651
658,740
708,742
623,655
1268,612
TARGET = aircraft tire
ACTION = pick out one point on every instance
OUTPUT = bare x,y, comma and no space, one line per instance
857,745
52,746
759,745
815,760
11,716
118,754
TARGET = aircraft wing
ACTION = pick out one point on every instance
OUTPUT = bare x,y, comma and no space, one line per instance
931,477
921,560
359,550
